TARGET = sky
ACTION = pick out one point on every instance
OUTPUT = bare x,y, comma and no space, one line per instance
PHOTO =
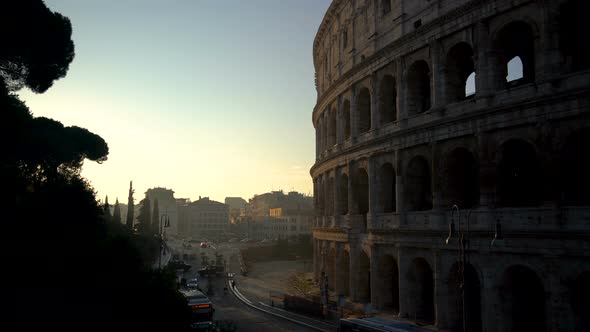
208,98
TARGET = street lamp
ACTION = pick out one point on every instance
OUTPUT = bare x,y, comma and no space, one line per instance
164,222
463,247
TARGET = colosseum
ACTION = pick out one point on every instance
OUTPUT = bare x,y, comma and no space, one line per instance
452,173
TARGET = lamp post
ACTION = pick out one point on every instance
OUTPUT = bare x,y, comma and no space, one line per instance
463,248
165,223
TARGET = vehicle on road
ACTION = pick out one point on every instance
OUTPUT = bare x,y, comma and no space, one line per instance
377,324
202,310
193,284
204,245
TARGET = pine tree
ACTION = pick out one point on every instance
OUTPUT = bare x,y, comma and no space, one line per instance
117,212
106,210
145,216
130,207
156,218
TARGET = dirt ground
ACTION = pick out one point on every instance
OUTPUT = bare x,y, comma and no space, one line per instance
266,278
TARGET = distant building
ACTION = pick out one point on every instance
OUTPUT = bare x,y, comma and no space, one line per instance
237,208
184,226
166,206
206,218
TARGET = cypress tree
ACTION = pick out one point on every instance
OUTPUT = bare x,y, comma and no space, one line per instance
117,212
145,216
106,210
130,207
156,218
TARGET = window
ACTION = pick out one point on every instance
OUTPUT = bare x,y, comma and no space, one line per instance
385,7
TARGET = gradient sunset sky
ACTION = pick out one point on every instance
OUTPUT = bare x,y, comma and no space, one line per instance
205,97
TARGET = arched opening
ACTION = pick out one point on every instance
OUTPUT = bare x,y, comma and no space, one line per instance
331,269
332,134
330,197
343,194
470,86
364,279
387,100
361,192
464,284
580,300
421,291
514,40
572,20
518,175
576,166
514,70
459,67
343,286
389,283
364,110
418,87
346,118
387,188
385,7
523,300
462,187
418,185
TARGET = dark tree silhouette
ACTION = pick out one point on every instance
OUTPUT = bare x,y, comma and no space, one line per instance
36,47
145,216
117,212
130,207
106,210
156,218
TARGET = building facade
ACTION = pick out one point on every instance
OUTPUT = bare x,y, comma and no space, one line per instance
207,219
166,208
451,181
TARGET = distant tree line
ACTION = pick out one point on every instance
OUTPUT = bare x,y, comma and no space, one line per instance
68,264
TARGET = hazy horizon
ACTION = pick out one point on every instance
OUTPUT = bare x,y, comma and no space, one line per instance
201,97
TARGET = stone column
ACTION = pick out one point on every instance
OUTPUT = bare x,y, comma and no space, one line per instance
354,115
435,174
339,122
402,88
437,76
371,173
548,60
485,77
354,267
406,310
399,184
353,208
376,290
337,208
487,172
375,116
317,142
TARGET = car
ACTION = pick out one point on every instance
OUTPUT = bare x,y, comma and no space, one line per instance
193,283
204,245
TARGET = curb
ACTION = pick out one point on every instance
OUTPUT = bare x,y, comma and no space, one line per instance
249,303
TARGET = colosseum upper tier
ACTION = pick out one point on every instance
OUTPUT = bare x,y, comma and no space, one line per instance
452,174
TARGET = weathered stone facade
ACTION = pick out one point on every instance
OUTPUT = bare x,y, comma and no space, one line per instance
399,142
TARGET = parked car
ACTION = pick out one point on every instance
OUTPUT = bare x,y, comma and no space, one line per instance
193,283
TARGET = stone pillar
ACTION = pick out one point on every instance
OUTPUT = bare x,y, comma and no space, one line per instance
441,295
548,59
485,77
317,141
354,267
326,196
399,184
354,131
402,88
406,309
339,122
373,197
337,208
375,116
376,290
353,208
329,115
436,177
437,76
487,172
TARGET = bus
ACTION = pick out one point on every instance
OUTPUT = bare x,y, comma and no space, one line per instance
377,324
201,308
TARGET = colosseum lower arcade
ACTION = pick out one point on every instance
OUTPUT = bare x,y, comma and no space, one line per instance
452,173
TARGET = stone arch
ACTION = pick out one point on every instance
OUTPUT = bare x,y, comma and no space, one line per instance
580,301
364,278
420,281
572,17
515,39
517,176
576,166
346,118
459,66
331,268
386,185
418,186
462,179
343,194
389,282
364,110
361,191
522,300
387,100
418,85
332,127
343,273
464,284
